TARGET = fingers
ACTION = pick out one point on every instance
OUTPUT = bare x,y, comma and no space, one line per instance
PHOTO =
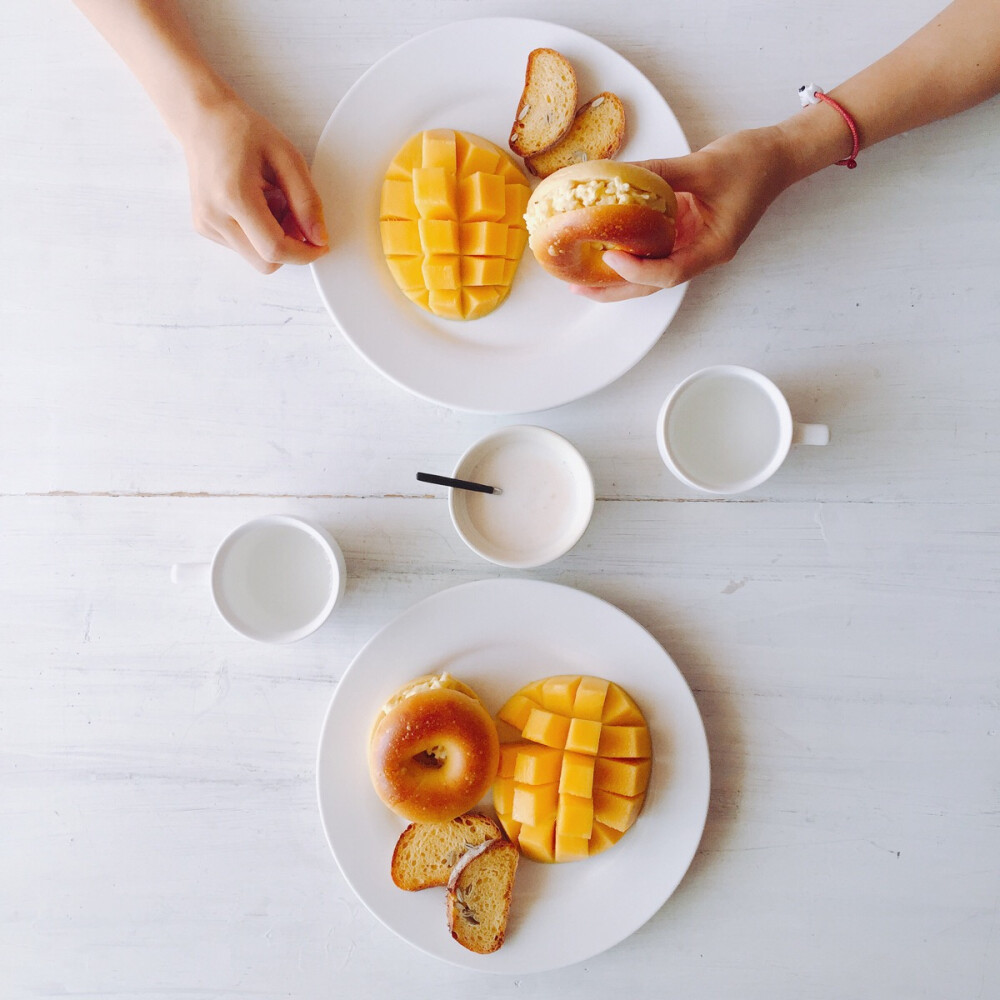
259,226
233,237
266,235
292,175
229,235
614,293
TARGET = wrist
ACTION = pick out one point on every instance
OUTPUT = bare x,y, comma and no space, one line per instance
780,160
814,138
196,91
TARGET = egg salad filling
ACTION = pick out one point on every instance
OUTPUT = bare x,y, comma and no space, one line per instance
585,194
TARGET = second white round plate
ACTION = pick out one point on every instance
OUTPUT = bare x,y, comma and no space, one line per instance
544,346
498,635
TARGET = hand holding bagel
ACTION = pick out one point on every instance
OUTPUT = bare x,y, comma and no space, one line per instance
722,191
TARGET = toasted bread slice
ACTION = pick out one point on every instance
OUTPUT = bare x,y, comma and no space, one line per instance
597,133
548,103
479,894
426,853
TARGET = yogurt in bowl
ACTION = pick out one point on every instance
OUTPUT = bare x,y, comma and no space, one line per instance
545,501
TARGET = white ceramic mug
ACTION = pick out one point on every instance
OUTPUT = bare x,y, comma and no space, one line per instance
726,429
274,579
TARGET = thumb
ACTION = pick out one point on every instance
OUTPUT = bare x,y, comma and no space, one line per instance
655,273
685,263
680,172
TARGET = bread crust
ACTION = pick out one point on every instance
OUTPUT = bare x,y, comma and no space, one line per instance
570,244
544,113
434,755
426,853
597,133
489,910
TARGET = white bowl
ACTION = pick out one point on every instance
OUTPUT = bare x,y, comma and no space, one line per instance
545,503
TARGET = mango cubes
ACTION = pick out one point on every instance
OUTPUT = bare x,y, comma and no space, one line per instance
451,219
575,781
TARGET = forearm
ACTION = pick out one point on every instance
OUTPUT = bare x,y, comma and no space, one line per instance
949,65
250,186
156,43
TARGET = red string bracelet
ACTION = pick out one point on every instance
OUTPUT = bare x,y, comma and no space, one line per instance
811,94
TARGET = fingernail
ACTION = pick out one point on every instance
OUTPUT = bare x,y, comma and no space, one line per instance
318,234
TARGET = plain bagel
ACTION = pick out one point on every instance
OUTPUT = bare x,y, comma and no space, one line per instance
580,211
433,751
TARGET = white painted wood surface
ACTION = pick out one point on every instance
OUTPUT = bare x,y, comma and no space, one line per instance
840,627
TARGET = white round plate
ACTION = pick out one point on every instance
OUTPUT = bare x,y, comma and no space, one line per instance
498,635
544,346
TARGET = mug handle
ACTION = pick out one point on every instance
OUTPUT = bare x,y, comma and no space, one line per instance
190,572
810,434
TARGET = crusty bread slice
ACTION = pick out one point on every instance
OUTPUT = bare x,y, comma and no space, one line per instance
426,853
479,893
548,103
597,133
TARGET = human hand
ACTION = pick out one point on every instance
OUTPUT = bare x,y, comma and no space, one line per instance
250,187
722,192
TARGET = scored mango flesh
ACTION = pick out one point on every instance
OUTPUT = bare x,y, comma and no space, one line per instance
575,781
451,219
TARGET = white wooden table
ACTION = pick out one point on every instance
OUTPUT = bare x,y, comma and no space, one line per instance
159,834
